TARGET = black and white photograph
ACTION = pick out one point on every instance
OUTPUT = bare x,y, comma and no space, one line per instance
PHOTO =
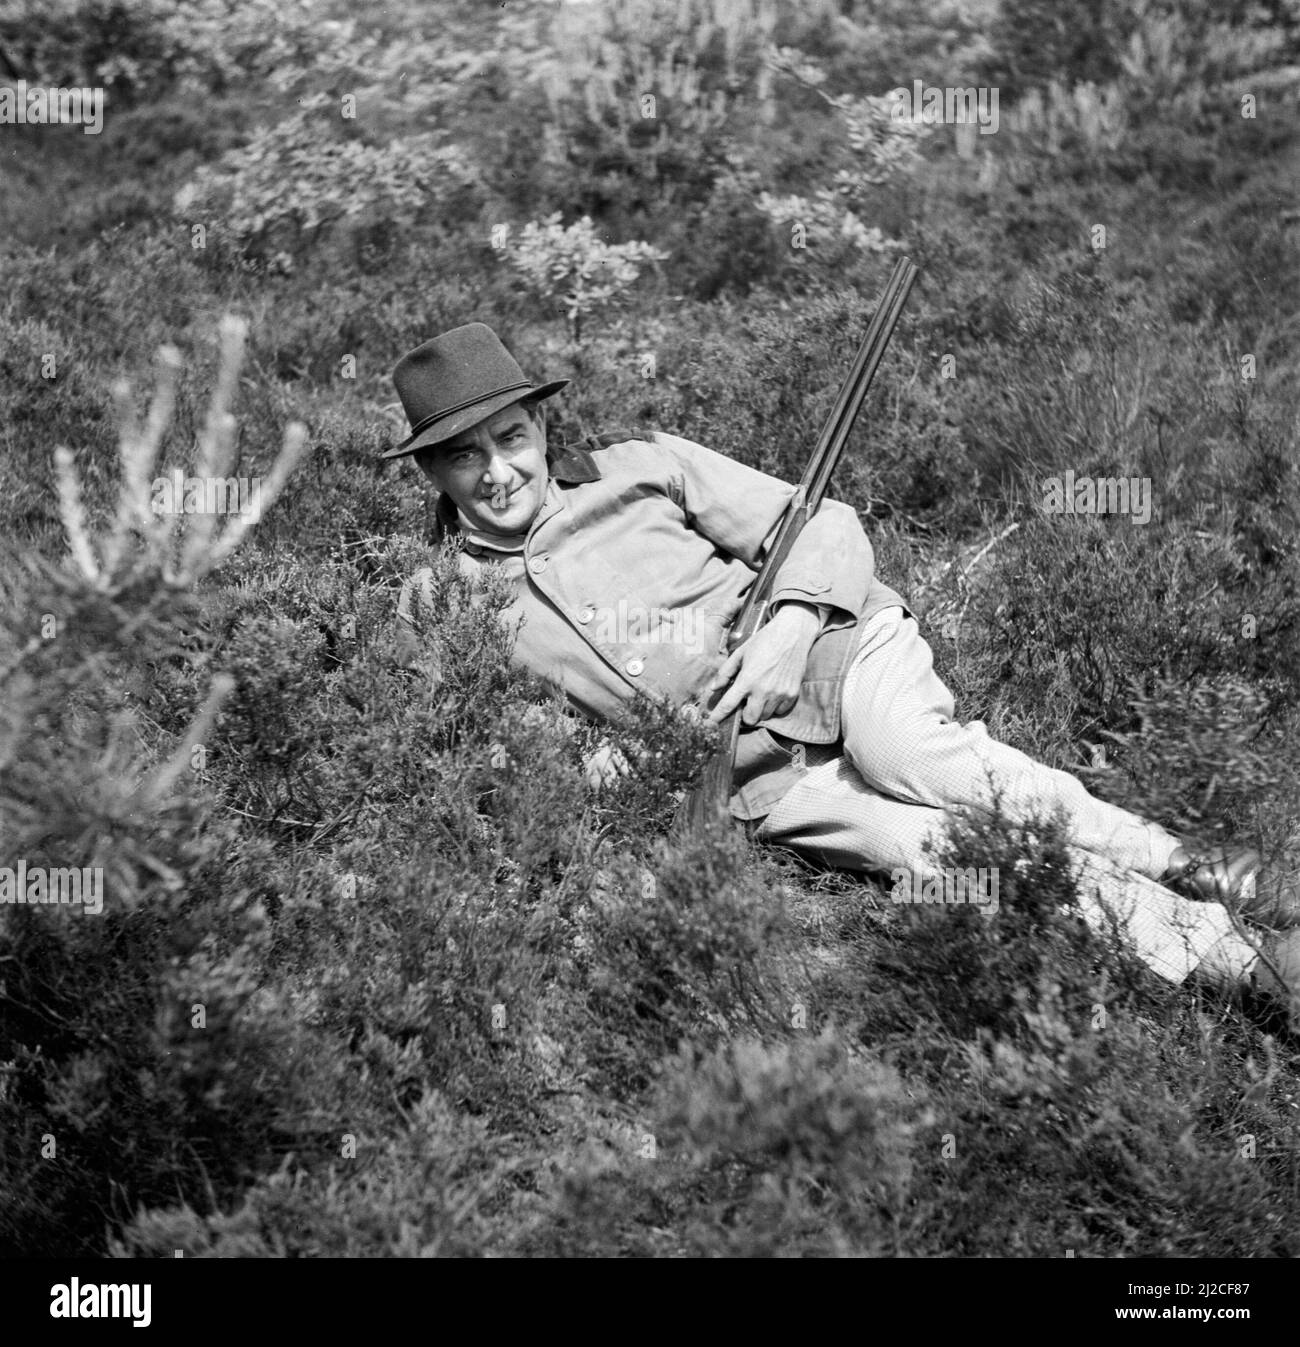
650,629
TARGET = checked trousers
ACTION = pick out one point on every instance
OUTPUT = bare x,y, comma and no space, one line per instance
904,762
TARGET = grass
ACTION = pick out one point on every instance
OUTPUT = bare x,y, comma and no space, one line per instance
379,974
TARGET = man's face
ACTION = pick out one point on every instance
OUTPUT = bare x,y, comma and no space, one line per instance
494,471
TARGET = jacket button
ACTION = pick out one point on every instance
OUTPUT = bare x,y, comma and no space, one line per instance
585,615
635,667
537,564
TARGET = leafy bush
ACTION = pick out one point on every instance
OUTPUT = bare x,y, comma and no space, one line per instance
576,268
142,50
278,194
1034,43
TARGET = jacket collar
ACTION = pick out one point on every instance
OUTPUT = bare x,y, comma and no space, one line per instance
570,464
573,463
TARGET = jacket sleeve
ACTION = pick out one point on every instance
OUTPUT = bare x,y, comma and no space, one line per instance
738,509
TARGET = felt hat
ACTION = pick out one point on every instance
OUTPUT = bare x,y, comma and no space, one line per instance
455,381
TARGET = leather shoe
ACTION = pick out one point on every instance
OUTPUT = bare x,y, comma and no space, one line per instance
1216,874
1233,876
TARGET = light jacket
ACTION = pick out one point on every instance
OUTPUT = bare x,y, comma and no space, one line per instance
634,569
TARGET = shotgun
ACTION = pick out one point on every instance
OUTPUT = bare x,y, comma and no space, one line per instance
709,799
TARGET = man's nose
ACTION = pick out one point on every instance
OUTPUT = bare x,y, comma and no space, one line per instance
497,469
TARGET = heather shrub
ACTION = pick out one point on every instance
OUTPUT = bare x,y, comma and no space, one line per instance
425,1194
665,753
681,947
271,200
756,381
1157,1122
800,1148
1049,609
892,42
379,972
1034,43
164,1071
961,968
147,48
47,393
1196,757
85,42
317,657
1033,1038
167,138
795,1147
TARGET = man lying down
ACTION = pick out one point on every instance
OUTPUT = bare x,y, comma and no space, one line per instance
849,749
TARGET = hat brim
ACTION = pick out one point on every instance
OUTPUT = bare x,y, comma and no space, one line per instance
451,426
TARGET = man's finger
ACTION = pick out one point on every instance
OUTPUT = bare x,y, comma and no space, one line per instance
728,703
727,670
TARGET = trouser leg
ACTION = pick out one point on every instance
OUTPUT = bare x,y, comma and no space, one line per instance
833,816
900,733
920,763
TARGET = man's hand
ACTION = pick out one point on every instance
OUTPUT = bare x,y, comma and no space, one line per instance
605,767
766,672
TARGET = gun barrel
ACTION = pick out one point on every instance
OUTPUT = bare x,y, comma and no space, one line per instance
710,796
861,375
829,448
